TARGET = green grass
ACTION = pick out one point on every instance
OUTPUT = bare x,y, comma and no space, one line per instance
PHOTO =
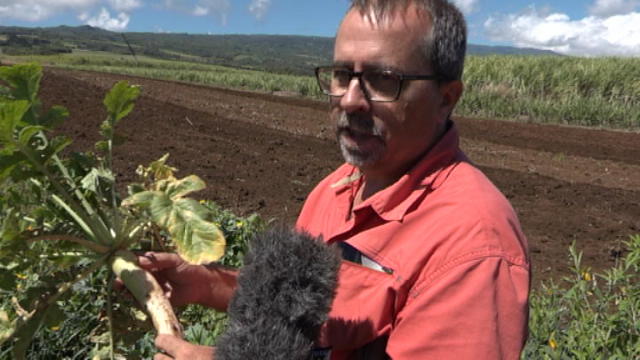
597,92
192,72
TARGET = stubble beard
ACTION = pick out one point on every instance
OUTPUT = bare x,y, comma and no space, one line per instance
357,156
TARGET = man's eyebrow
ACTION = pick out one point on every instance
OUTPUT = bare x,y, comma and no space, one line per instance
346,64
368,66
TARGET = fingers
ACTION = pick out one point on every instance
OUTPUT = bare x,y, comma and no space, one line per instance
155,261
170,344
178,349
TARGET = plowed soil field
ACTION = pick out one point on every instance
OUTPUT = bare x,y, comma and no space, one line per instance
263,153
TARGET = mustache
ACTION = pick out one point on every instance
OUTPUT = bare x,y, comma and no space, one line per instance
358,122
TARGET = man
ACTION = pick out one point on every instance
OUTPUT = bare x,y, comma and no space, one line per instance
436,265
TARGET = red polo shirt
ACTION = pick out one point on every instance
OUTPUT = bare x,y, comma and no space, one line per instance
454,270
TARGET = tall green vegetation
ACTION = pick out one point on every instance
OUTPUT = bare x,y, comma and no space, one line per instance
594,92
574,91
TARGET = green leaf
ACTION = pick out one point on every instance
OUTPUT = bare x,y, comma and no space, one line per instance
54,316
140,199
120,100
24,80
6,326
102,146
50,316
8,162
135,188
27,132
55,116
74,215
91,181
7,280
59,143
5,92
10,234
25,334
52,147
10,115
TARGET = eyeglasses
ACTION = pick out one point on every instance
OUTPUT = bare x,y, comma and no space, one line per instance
377,85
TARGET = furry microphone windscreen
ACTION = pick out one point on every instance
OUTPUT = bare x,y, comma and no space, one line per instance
284,295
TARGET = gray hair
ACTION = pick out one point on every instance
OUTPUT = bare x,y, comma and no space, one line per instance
445,46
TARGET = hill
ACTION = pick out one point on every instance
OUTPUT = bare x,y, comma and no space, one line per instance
276,53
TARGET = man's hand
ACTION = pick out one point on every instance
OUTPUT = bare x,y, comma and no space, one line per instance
179,349
183,284
181,281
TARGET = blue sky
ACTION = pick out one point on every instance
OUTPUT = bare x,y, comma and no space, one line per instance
575,27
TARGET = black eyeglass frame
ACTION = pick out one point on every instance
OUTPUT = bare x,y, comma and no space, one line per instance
359,74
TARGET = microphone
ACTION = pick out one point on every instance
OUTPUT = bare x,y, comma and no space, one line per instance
285,291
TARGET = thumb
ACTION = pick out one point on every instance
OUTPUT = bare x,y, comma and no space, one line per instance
155,261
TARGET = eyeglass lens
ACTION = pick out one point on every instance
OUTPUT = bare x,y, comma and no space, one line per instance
379,85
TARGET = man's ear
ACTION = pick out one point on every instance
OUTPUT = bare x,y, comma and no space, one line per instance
451,92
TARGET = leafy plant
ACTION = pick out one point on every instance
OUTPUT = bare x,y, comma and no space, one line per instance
594,316
66,212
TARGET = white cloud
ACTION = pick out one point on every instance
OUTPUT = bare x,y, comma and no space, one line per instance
466,6
617,35
259,8
125,5
606,8
105,21
218,9
200,11
36,10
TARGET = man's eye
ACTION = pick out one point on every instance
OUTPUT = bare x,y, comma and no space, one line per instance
341,76
382,81
376,77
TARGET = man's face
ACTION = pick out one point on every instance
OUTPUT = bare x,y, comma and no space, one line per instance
385,139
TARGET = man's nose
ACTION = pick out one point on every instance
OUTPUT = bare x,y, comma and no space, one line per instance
354,99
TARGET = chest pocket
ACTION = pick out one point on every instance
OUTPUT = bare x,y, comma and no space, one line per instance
362,310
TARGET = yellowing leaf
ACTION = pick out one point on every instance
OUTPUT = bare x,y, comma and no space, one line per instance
160,170
180,188
197,240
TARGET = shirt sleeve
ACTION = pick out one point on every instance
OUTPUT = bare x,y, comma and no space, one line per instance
477,309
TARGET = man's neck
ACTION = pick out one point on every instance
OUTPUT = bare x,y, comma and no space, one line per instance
374,181
370,187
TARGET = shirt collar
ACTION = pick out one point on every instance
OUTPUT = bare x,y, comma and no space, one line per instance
393,202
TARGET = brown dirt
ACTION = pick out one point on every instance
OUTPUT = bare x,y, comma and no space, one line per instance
263,153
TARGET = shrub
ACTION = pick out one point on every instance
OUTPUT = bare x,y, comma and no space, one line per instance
592,316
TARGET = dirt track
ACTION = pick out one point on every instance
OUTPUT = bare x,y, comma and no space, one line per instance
263,153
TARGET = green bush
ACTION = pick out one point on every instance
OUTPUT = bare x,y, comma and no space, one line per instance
84,334
591,316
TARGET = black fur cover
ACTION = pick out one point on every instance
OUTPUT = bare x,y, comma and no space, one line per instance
284,294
